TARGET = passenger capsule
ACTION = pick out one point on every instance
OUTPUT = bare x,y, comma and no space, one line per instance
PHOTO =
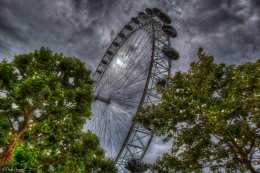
121,35
169,31
135,165
115,44
170,52
156,11
149,11
99,71
103,61
129,27
110,52
141,14
164,18
135,20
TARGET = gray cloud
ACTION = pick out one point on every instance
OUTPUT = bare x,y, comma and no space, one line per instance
227,29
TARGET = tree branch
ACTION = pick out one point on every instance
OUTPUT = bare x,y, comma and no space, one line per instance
6,86
26,120
234,151
251,147
11,123
243,155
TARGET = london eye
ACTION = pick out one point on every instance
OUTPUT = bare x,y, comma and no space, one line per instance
126,79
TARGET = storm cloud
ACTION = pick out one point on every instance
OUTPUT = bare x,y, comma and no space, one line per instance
227,29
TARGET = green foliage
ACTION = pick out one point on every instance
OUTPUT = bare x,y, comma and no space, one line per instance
45,101
4,130
212,114
26,159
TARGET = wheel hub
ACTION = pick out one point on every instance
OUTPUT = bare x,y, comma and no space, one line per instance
102,99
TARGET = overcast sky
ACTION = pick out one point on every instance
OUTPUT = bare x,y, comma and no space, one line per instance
227,29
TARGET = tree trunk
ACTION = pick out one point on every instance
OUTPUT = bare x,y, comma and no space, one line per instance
8,154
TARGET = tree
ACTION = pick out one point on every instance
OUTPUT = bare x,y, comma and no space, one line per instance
212,114
45,101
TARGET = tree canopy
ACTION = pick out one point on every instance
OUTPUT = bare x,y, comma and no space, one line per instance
45,101
212,115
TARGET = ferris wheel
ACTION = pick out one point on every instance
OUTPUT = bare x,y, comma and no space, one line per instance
126,79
